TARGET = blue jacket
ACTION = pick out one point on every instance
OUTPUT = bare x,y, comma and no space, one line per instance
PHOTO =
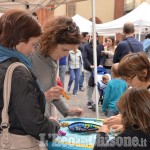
62,61
123,48
114,89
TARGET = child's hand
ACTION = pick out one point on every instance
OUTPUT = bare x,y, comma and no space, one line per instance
117,128
113,120
103,128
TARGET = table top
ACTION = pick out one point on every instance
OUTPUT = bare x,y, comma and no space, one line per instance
73,140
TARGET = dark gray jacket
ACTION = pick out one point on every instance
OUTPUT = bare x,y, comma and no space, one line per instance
27,104
88,56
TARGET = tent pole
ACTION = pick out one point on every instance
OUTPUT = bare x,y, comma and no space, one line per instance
95,58
139,34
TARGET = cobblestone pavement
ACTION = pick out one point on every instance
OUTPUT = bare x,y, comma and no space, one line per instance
80,101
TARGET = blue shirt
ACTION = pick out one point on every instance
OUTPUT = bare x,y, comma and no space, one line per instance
123,48
114,89
62,61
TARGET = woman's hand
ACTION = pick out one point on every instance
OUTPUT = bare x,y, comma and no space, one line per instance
104,52
54,118
113,120
53,93
76,112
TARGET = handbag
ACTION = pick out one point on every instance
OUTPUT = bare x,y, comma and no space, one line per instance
9,141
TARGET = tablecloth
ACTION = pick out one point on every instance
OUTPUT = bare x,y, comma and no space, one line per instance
73,140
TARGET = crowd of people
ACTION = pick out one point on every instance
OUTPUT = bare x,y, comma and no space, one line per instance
48,53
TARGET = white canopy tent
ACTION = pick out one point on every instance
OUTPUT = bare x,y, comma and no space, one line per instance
84,24
32,5
140,16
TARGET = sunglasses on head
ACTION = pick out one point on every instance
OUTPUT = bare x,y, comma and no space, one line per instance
71,29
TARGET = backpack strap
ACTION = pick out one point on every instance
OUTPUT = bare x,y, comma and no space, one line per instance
131,48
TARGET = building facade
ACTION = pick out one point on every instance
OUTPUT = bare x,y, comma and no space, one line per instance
103,11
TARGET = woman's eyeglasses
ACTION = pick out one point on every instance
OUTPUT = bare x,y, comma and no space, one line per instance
129,79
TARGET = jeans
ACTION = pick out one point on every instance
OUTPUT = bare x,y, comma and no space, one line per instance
110,113
90,89
81,80
62,73
74,75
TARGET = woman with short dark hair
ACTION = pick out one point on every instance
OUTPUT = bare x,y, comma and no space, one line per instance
19,33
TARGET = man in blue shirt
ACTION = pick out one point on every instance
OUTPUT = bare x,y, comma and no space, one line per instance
129,44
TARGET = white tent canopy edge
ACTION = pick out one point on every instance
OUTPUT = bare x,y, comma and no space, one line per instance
84,24
139,16
31,5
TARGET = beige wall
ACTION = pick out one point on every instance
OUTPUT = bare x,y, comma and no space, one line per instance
138,2
147,1
103,11
60,10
